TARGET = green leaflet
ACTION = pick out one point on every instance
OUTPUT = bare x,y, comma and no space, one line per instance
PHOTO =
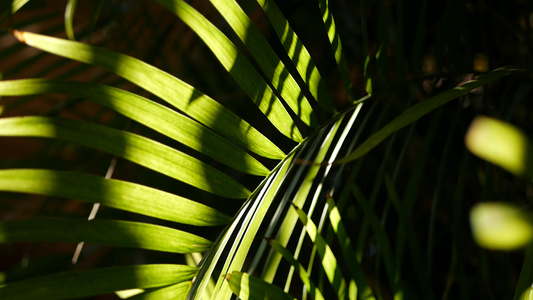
298,54
144,111
69,18
245,227
248,287
419,110
113,193
176,291
356,271
135,148
304,276
104,232
238,66
86,283
270,64
174,91
329,261
336,45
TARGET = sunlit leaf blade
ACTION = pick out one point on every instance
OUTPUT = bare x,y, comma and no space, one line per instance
501,144
328,259
501,226
268,61
248,287
86,283
103,232
176,291
419,110
111,192
527,294
304,189
298,54
135,148
238,66
243,230
366,51
304,276
335,42
174,91
364,290
144,111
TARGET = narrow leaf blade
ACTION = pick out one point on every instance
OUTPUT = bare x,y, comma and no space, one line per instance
113,193
103,232
86,283
135,148
176,92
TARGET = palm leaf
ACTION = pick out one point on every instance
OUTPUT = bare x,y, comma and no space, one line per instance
299,175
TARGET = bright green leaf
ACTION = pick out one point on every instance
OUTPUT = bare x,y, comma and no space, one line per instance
86,283
176,291
104,232
113,193
135,148
238,66
144,111
169,88
298,54
268,61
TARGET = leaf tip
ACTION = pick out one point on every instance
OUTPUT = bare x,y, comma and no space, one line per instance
19,35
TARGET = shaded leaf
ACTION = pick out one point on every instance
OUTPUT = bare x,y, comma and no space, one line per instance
419,110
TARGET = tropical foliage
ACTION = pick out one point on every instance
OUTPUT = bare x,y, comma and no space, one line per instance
178,149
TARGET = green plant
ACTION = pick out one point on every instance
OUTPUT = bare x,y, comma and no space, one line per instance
281,198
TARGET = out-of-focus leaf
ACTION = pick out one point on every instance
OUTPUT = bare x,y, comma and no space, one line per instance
501,144
86,283
70,9
113,193
135,148
104,232
500,226
169,88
